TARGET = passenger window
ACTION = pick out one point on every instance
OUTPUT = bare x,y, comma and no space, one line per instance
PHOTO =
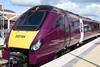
87,28
58,22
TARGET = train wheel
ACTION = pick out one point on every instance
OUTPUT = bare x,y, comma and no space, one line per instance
56,56
60,53
77,45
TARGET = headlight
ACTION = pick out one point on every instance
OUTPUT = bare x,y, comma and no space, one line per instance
36,46
5,45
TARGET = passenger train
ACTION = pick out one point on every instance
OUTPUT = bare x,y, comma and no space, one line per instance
42,32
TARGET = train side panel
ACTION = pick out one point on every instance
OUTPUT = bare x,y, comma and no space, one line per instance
50,47
91,29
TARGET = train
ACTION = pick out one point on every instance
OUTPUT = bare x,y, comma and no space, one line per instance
42,32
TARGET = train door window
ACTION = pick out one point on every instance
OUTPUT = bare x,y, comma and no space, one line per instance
58,22
66,23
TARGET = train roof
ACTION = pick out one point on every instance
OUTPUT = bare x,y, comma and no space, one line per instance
43,7
49,8
89,20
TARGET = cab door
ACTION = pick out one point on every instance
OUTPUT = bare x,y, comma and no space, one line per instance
59,25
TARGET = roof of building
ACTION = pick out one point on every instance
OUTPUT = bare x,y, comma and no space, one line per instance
6,10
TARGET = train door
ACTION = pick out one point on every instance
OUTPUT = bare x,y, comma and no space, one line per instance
74,29
67,34
59,24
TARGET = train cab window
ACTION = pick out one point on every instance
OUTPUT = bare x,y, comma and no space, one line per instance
58,22
31,20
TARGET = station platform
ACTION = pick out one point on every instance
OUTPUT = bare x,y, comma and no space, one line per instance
86,56
1,46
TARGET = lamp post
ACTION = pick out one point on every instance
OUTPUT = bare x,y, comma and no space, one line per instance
0,23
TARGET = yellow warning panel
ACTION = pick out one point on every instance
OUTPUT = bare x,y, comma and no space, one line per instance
21,39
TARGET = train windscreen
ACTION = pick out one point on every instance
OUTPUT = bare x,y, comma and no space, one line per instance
31,20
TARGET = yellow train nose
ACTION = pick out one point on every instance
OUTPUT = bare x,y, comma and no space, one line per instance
21,39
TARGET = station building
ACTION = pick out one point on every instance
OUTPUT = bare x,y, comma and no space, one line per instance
7,18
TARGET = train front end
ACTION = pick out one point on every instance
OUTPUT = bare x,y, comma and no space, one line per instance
26,36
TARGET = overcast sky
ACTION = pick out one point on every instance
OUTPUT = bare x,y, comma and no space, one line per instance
87,8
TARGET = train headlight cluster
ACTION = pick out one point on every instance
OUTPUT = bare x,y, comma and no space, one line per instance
36,46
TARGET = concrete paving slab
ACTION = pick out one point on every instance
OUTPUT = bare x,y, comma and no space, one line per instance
93,56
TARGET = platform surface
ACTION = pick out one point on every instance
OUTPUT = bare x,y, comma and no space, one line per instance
1,41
